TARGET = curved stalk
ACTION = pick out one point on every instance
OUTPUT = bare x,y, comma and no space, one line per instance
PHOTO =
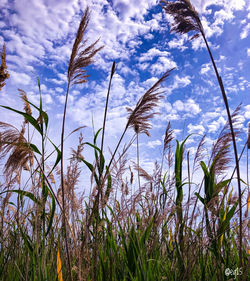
62,182
233,140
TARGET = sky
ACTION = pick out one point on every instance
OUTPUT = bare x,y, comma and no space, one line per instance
39,36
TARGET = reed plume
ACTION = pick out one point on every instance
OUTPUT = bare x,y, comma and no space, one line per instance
81,55
26,108
4,74
221,148
168,136
138,118
13,142
199,155
167,143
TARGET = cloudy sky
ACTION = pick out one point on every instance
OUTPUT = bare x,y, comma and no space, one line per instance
39,35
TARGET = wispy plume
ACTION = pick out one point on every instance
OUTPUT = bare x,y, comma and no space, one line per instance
82,55
138,118
221,148
185,17
3,68
168,136
14,145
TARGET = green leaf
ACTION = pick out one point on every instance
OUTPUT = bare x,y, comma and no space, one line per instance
39,84
91,168
27,240
34,148
201,199
59,155
45,118
109,184
96,135
100,169
24,193
226,222
42,113
204,168
28,117
208,182
146,234
219,186
53,208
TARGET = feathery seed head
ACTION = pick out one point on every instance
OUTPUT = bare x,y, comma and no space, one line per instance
168,136
81,55
27,108
138,118
3,68
185,17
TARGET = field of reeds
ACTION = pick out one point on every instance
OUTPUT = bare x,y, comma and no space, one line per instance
138,227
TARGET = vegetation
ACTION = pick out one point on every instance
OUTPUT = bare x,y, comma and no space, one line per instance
157,232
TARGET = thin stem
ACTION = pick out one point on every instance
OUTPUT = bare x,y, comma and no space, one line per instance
138,160
100,185
106,106
189,186
62,181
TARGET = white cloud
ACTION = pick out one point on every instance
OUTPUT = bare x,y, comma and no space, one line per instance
202,6
198,43
59,90
216,125
192,107
210,115
178,105
245,31
162,65
151,53
247,112
195,129
188,106
178,43
180,82
132,8
205,68
153,144
18,78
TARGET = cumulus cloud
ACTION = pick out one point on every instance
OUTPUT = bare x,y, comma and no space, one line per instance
152,53
132,8
153,144
18,78
205,68
162,65
189,106
245,31
195,129
216,125
247,112
178,43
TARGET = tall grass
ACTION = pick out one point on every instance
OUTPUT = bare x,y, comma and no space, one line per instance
153,230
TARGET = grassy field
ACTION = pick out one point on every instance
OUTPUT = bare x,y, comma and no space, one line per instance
48,232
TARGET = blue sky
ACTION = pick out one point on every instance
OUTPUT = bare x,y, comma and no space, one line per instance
39,35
